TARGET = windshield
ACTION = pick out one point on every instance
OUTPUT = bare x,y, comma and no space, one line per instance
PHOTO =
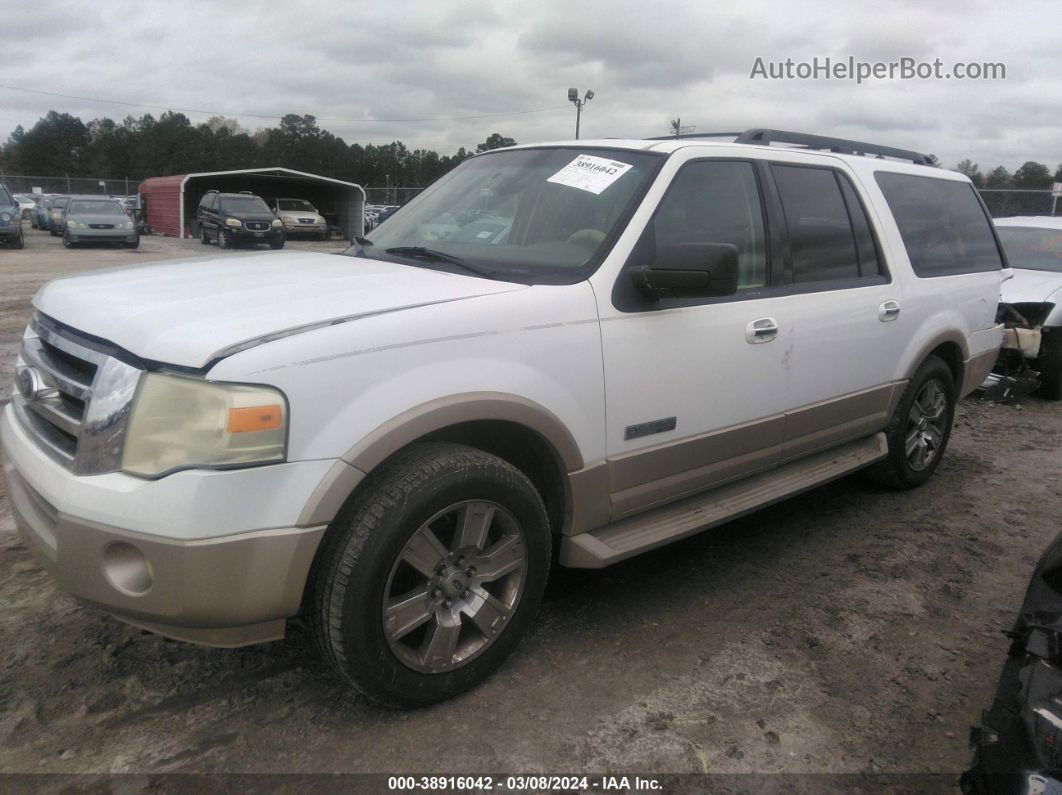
95,208
1033,248
528,215
5,197
60,202
243,204
300,205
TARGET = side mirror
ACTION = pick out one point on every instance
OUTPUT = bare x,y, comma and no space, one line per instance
690,270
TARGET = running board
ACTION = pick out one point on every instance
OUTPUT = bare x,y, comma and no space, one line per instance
628,537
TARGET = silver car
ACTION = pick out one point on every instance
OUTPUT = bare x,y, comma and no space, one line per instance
94,219
300,218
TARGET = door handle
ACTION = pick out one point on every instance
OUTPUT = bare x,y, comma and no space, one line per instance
764,329
889,310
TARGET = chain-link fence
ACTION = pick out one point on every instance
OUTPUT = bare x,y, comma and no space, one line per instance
1003,202
125,186
388,196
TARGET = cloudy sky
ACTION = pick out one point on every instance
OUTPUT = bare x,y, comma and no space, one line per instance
366,69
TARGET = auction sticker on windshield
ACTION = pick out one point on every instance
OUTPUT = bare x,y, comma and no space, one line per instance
590,173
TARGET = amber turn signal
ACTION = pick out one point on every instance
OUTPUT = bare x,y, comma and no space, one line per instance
254,418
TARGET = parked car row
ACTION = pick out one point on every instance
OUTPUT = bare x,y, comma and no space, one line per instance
77,219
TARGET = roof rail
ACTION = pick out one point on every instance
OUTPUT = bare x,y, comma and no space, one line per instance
762,137
839,145
694,135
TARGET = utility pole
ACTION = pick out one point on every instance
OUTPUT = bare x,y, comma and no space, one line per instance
573,97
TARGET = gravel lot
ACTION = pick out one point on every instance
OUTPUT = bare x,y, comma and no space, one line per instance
849,630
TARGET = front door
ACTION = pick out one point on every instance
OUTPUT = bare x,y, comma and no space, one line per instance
696,390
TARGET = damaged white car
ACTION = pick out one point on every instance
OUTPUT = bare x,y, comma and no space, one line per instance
1033,298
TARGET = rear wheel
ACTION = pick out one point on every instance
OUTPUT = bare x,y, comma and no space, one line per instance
431,575
203,237
920,427
1050,364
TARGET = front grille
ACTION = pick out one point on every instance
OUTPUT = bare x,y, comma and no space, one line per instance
77,399
305,220
101,226
256,226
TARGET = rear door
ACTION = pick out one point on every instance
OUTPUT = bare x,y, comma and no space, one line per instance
846,312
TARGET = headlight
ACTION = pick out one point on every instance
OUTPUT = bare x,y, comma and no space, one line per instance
232,222
179,422
74,225
56,214
287,219
127,225
5,217
277,222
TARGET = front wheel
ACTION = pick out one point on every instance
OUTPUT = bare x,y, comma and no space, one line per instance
430,576
20,241
224,239
67,243
276,244
920,427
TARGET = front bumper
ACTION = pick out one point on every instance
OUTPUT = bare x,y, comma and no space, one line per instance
222,590
103,235
246,235
305,229
10,231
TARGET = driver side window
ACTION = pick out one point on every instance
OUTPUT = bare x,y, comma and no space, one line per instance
715,202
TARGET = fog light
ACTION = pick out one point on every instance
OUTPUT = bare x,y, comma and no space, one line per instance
127,569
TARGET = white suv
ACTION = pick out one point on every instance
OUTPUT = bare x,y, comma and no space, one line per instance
595,346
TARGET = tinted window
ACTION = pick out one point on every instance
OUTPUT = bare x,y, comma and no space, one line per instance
244,204
943,225
715,202
1033,248
89,207
866,245
821,238
5,197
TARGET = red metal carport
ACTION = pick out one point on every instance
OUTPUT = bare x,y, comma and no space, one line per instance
170,202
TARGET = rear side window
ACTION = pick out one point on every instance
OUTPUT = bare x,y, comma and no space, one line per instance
944,226
825,240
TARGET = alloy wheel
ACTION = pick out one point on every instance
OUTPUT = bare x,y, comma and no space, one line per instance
454,587
926,424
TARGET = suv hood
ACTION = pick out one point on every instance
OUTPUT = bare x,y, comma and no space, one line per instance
190,312
1029,286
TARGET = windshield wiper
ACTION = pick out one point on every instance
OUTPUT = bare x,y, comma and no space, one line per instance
420,252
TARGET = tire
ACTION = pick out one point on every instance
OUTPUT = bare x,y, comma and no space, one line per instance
224,241
67,243
52,232
133,245
20,242
411,508
276,244
1049,364
203,237
323,236
933,385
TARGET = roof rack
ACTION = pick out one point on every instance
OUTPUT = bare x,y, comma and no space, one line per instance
762,137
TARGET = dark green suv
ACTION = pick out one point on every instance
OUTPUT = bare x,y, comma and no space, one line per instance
235,218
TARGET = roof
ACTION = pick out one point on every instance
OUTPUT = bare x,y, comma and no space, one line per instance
671,145
276,171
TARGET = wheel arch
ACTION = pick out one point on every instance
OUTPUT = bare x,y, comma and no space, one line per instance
949,346
521,432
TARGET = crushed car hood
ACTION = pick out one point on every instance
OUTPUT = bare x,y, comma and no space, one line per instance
190,312
1030,286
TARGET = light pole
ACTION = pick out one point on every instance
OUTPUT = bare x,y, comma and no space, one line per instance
573,97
